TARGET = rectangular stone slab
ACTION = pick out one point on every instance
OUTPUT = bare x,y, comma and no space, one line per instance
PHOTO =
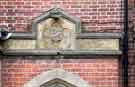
97,44
20,44
81,44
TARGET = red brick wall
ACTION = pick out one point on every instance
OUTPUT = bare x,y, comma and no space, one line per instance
96,15
131,13
97,72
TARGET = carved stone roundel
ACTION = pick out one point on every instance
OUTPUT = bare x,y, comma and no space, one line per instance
56,34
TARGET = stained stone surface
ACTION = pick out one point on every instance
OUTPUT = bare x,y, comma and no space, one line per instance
20,44
56,34
81,44
98,44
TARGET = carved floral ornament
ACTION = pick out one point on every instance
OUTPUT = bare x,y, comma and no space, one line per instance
56,32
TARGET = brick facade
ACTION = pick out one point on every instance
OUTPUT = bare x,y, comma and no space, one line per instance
131,13
97,72
95,15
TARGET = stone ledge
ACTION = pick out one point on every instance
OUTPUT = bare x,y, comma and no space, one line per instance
31,35
92,52
23,35
35,52
99,35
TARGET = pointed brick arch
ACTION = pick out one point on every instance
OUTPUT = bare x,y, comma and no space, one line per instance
60,74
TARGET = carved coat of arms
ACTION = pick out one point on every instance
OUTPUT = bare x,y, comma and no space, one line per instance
57,36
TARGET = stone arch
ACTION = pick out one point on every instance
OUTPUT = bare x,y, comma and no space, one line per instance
57,83
58,75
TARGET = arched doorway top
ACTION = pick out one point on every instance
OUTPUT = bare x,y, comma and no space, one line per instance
60,74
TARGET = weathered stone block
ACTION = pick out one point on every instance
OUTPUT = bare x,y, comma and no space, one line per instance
98,44
20,44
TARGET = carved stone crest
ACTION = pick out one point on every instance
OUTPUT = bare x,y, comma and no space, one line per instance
57,33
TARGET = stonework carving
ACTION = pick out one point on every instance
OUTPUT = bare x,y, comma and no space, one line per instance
56,33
